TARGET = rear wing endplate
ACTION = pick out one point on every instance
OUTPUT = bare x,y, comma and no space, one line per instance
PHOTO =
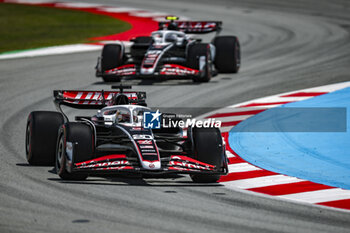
194,27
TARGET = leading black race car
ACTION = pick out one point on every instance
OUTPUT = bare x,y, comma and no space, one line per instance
116,141
172,52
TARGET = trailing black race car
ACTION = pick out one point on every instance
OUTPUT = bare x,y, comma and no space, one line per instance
170,52
115,140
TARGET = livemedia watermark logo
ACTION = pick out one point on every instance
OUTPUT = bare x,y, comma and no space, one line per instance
152,120
157,120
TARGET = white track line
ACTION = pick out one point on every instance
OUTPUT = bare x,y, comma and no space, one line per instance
242,167
29,1
319,196
78,5
229,154
266,105
64,49
261,181
147,14
326,88
285,99
119,9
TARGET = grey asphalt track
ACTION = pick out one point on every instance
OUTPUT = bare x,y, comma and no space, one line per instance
286,45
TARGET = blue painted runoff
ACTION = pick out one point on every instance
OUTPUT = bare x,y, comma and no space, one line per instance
292,140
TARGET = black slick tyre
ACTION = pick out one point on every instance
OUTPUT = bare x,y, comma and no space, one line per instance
228,54
208,148
76,133
112,57
194,53
41,136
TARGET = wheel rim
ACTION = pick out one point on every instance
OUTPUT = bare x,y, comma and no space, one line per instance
238,56
209,66
60,153
28,140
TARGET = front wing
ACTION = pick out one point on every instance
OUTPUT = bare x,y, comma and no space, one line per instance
117,163
166,70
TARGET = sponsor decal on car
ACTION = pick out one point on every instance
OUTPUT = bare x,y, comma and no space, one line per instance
145,142
141,136
170,69
148,150
106,164
188,165
129,69
146,147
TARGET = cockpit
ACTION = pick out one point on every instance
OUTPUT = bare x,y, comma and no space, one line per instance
123,114
165,36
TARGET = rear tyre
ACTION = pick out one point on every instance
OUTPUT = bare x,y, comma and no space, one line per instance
208,148
112,57
228,54
74,132
41,136
193,59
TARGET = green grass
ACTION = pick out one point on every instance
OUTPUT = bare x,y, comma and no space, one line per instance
26,27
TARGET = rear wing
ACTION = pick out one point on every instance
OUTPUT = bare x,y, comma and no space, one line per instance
96,99
195,27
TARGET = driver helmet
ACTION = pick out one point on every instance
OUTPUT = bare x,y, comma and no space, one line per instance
173,26
118,116
122,118
134,115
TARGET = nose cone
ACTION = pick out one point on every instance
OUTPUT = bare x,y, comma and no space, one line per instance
154,165
147,71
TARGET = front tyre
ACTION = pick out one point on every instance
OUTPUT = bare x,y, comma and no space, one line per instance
228,54
82,136
112,57
208,148
41,136
194,59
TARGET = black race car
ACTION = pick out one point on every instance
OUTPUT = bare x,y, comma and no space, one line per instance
172,51
116,141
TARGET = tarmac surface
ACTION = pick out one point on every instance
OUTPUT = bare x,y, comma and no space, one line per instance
286,46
